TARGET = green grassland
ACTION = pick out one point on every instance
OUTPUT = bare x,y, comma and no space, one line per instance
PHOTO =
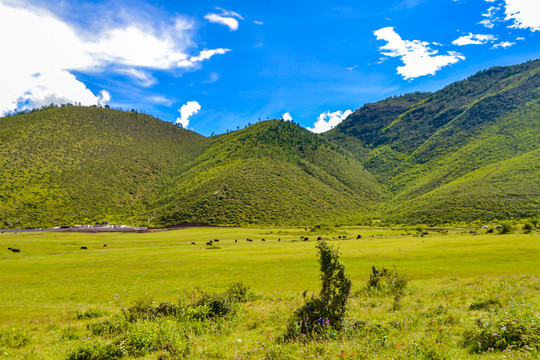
55,297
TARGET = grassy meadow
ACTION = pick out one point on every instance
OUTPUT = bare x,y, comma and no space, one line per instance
61,302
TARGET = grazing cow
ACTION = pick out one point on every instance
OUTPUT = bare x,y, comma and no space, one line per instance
192,243
359,237
209,243
15,250
235,240
104,245
306,239
279,239
84,248
339,237
216,240
9,248
250,240
319,238
424,233
344,236
263,240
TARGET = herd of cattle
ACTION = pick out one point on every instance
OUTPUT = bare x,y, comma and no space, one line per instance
212,242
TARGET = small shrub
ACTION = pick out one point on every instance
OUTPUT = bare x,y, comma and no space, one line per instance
387,281
501,334
89,314
96,350
490,231
323,315
506,228
485,304
238,292
527,227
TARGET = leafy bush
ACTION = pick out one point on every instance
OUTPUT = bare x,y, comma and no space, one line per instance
323,314
506,228
96,350
108,327
527,227
501,334
387,281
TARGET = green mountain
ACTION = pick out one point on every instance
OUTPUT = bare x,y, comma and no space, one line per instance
273,172
432,151
82,165
469,152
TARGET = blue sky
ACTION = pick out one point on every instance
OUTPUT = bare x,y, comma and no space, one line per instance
229,63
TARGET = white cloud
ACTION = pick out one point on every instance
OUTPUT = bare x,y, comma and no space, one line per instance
232,23
524,13
44,51
203,55
256,22
287,116
503,44
474,39
418,58
328,120
186,111
487,23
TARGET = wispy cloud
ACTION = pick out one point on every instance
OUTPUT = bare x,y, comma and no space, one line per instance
328,120
418,58
474,39
503,44
143,78
186,111
226,17
203,55
256,22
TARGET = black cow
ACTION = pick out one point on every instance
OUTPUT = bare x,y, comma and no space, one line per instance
359,237
16,250
306,239
279,239
216,240
344,236
319,238
263,240
192,243
104,245
209,243
84,248
9,248
235,240
339,237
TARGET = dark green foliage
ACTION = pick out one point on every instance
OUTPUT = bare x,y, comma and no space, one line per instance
528,227
501,334
323,314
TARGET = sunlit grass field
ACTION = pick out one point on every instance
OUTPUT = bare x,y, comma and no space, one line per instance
44,287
